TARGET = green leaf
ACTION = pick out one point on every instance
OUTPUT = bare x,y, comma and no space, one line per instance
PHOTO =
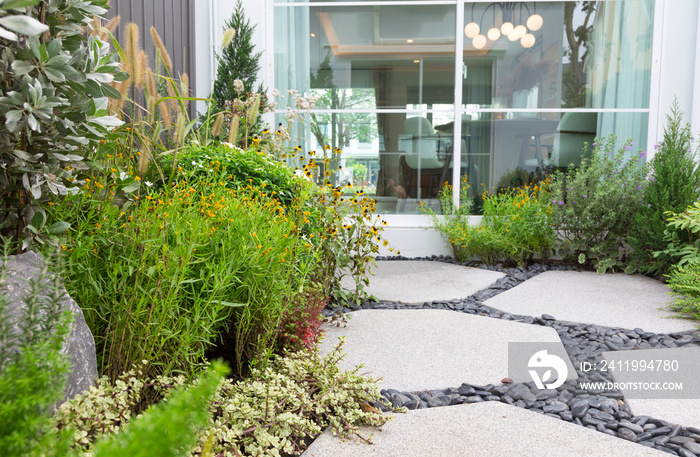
24,155
6,34
601,270
67,157
24,25
110,92
39,219
7,4
121,76
107,121
20,67
58,227
582,258
54,75
228,303
132,186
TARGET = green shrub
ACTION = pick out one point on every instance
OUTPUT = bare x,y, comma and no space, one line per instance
238,61
276,411
164,277
54,89
519,223
674,185
682,237
241,168
516,225
33,371
343,228
684,281
594,205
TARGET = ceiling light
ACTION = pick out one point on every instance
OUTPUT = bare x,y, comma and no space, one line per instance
507,28
494,34
535,22
518,32
479,41
528,40
472,30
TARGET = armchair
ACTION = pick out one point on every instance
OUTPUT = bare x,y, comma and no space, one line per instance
425,160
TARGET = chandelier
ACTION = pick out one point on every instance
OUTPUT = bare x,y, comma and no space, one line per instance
508,28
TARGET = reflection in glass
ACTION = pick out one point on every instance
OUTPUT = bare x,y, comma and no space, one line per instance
397,56
522,63
593,54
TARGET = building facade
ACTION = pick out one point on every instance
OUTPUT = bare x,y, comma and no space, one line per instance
496,94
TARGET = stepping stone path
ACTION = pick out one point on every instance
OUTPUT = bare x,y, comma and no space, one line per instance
451,351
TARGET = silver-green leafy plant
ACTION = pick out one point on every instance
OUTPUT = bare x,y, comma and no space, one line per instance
54,89
273,412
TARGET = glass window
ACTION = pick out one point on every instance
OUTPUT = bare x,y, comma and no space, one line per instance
539,80
397,158
394,56
582,54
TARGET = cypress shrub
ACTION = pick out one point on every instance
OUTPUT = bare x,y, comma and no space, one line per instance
237,61
674,185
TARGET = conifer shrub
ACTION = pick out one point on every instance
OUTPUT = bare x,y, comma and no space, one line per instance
238,61
674,184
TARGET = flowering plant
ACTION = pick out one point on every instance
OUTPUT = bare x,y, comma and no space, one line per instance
594,205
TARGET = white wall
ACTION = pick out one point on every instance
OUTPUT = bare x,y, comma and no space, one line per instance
677,63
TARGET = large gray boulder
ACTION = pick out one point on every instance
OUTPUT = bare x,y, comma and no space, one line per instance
80,345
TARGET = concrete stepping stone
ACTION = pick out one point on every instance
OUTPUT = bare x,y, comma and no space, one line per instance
611,300
489,429
423,349
415,281
674,406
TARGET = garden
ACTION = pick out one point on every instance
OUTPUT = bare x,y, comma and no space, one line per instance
202,261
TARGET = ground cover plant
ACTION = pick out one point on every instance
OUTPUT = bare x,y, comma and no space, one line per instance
594,205
273,412
674,185
515,226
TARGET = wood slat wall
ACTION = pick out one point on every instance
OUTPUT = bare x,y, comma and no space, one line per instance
174,21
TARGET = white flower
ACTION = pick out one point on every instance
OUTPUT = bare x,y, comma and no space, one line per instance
275,93
226,144
292,91
148,183
238,85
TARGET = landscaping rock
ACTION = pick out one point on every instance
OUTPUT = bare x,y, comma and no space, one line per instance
80,345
